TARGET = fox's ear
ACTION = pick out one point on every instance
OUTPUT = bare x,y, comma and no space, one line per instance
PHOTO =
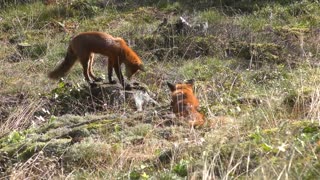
172,87
120,40
142,68
190,81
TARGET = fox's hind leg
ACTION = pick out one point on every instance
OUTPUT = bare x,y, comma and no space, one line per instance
90,71
85,65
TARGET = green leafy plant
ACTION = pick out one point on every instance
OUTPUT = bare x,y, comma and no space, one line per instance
15,137
181,168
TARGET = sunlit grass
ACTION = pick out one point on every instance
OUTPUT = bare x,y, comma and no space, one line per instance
262,115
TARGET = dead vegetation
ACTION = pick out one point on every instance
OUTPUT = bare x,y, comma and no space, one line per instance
257,80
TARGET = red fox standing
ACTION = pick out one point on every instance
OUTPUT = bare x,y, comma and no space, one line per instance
185,104
82,48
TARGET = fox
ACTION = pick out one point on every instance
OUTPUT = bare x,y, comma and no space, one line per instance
82,48
184,103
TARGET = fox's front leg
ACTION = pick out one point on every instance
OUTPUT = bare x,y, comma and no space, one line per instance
117,68
110,70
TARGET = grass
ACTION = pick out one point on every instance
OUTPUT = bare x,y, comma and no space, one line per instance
257,80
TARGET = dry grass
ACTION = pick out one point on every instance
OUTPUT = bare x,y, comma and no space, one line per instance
261,102
37,167
314,109
22,115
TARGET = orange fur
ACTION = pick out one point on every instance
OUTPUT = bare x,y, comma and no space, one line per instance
185,104
83,47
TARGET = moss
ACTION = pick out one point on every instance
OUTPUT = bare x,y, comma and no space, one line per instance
79,132
46,128
30,150
56,147
10,150
94,126
99,124
12,138
285,30
89,153
26,150
140,129
224,86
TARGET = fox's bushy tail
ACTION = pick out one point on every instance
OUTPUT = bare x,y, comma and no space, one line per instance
65,66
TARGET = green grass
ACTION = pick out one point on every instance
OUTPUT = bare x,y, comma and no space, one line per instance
257,79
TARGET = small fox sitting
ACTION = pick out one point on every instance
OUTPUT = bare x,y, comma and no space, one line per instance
184,103
82,48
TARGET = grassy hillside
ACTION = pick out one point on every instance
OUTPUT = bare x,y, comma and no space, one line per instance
256,67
